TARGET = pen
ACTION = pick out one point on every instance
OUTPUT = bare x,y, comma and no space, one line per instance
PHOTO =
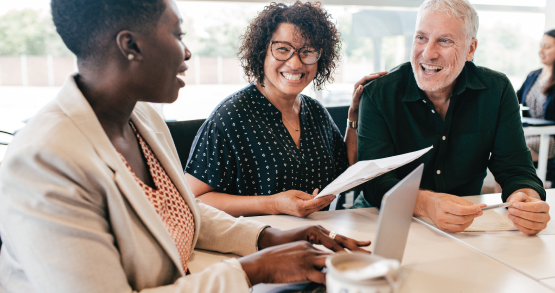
496,206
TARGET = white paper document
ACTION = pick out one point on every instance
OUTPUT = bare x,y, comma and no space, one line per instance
366,170
490,221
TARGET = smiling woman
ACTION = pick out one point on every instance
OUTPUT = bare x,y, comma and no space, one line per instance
311,26
538,93
269,139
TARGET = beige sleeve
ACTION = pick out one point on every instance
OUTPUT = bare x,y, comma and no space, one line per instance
55,214
224,233
221,277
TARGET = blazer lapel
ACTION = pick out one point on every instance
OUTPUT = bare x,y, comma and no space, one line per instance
76,107
168,158
142,206
529,83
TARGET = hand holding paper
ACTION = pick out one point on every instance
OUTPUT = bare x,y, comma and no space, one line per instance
298,203
364,171
529,213
490,221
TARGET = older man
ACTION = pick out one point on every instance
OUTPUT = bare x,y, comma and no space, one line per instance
466,112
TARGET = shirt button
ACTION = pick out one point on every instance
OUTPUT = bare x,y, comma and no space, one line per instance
438,172
424,101
433,111
443,138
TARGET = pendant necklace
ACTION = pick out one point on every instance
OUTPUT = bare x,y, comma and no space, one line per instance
296,129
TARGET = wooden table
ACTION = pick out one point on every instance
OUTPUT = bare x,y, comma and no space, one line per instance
436,261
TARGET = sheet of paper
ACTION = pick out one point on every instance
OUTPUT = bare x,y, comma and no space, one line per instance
490,221
366,170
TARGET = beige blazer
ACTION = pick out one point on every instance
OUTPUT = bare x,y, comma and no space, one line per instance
73,218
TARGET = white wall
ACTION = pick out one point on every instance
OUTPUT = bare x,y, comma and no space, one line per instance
549,15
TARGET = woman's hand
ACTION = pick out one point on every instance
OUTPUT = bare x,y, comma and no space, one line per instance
315,234
291,256
350,133
286,263
357,93
298,203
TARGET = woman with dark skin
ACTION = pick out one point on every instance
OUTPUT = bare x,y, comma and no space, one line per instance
73,226
268,149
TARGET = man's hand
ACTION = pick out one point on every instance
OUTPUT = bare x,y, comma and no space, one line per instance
298,203
529,213
450,213
315,234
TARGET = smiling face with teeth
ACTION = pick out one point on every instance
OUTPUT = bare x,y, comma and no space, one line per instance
288,78
439,51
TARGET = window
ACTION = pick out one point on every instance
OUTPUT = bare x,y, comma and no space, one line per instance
34,62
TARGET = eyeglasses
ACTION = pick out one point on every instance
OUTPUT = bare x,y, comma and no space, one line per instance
283,51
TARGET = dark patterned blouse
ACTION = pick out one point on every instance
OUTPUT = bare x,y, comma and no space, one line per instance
243,148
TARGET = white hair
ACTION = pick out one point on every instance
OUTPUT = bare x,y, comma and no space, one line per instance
460,9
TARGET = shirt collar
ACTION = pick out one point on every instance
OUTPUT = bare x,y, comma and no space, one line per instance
467,79
271,110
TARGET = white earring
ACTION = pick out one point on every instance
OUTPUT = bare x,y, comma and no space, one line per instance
130,57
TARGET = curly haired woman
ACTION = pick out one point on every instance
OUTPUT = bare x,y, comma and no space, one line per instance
268,149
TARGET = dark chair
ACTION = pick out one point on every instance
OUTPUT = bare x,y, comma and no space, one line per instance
550,174
339,115
183,134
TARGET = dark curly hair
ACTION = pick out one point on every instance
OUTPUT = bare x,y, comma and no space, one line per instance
315,27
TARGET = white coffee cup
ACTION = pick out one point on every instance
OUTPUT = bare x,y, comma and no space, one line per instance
363,273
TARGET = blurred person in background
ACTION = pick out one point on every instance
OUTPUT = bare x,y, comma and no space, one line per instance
538,92
92,194
268,149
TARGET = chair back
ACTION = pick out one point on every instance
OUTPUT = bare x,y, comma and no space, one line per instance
339,115
183,134
2,134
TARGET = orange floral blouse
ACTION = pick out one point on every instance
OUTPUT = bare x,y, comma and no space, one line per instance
168,202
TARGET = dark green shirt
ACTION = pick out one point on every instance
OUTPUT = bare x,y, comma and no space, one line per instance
483,118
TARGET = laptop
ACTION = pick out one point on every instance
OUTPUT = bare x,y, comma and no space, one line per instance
396,215
391,237
527,121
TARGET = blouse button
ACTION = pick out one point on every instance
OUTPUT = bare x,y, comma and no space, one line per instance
433,111
438,172
443,138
